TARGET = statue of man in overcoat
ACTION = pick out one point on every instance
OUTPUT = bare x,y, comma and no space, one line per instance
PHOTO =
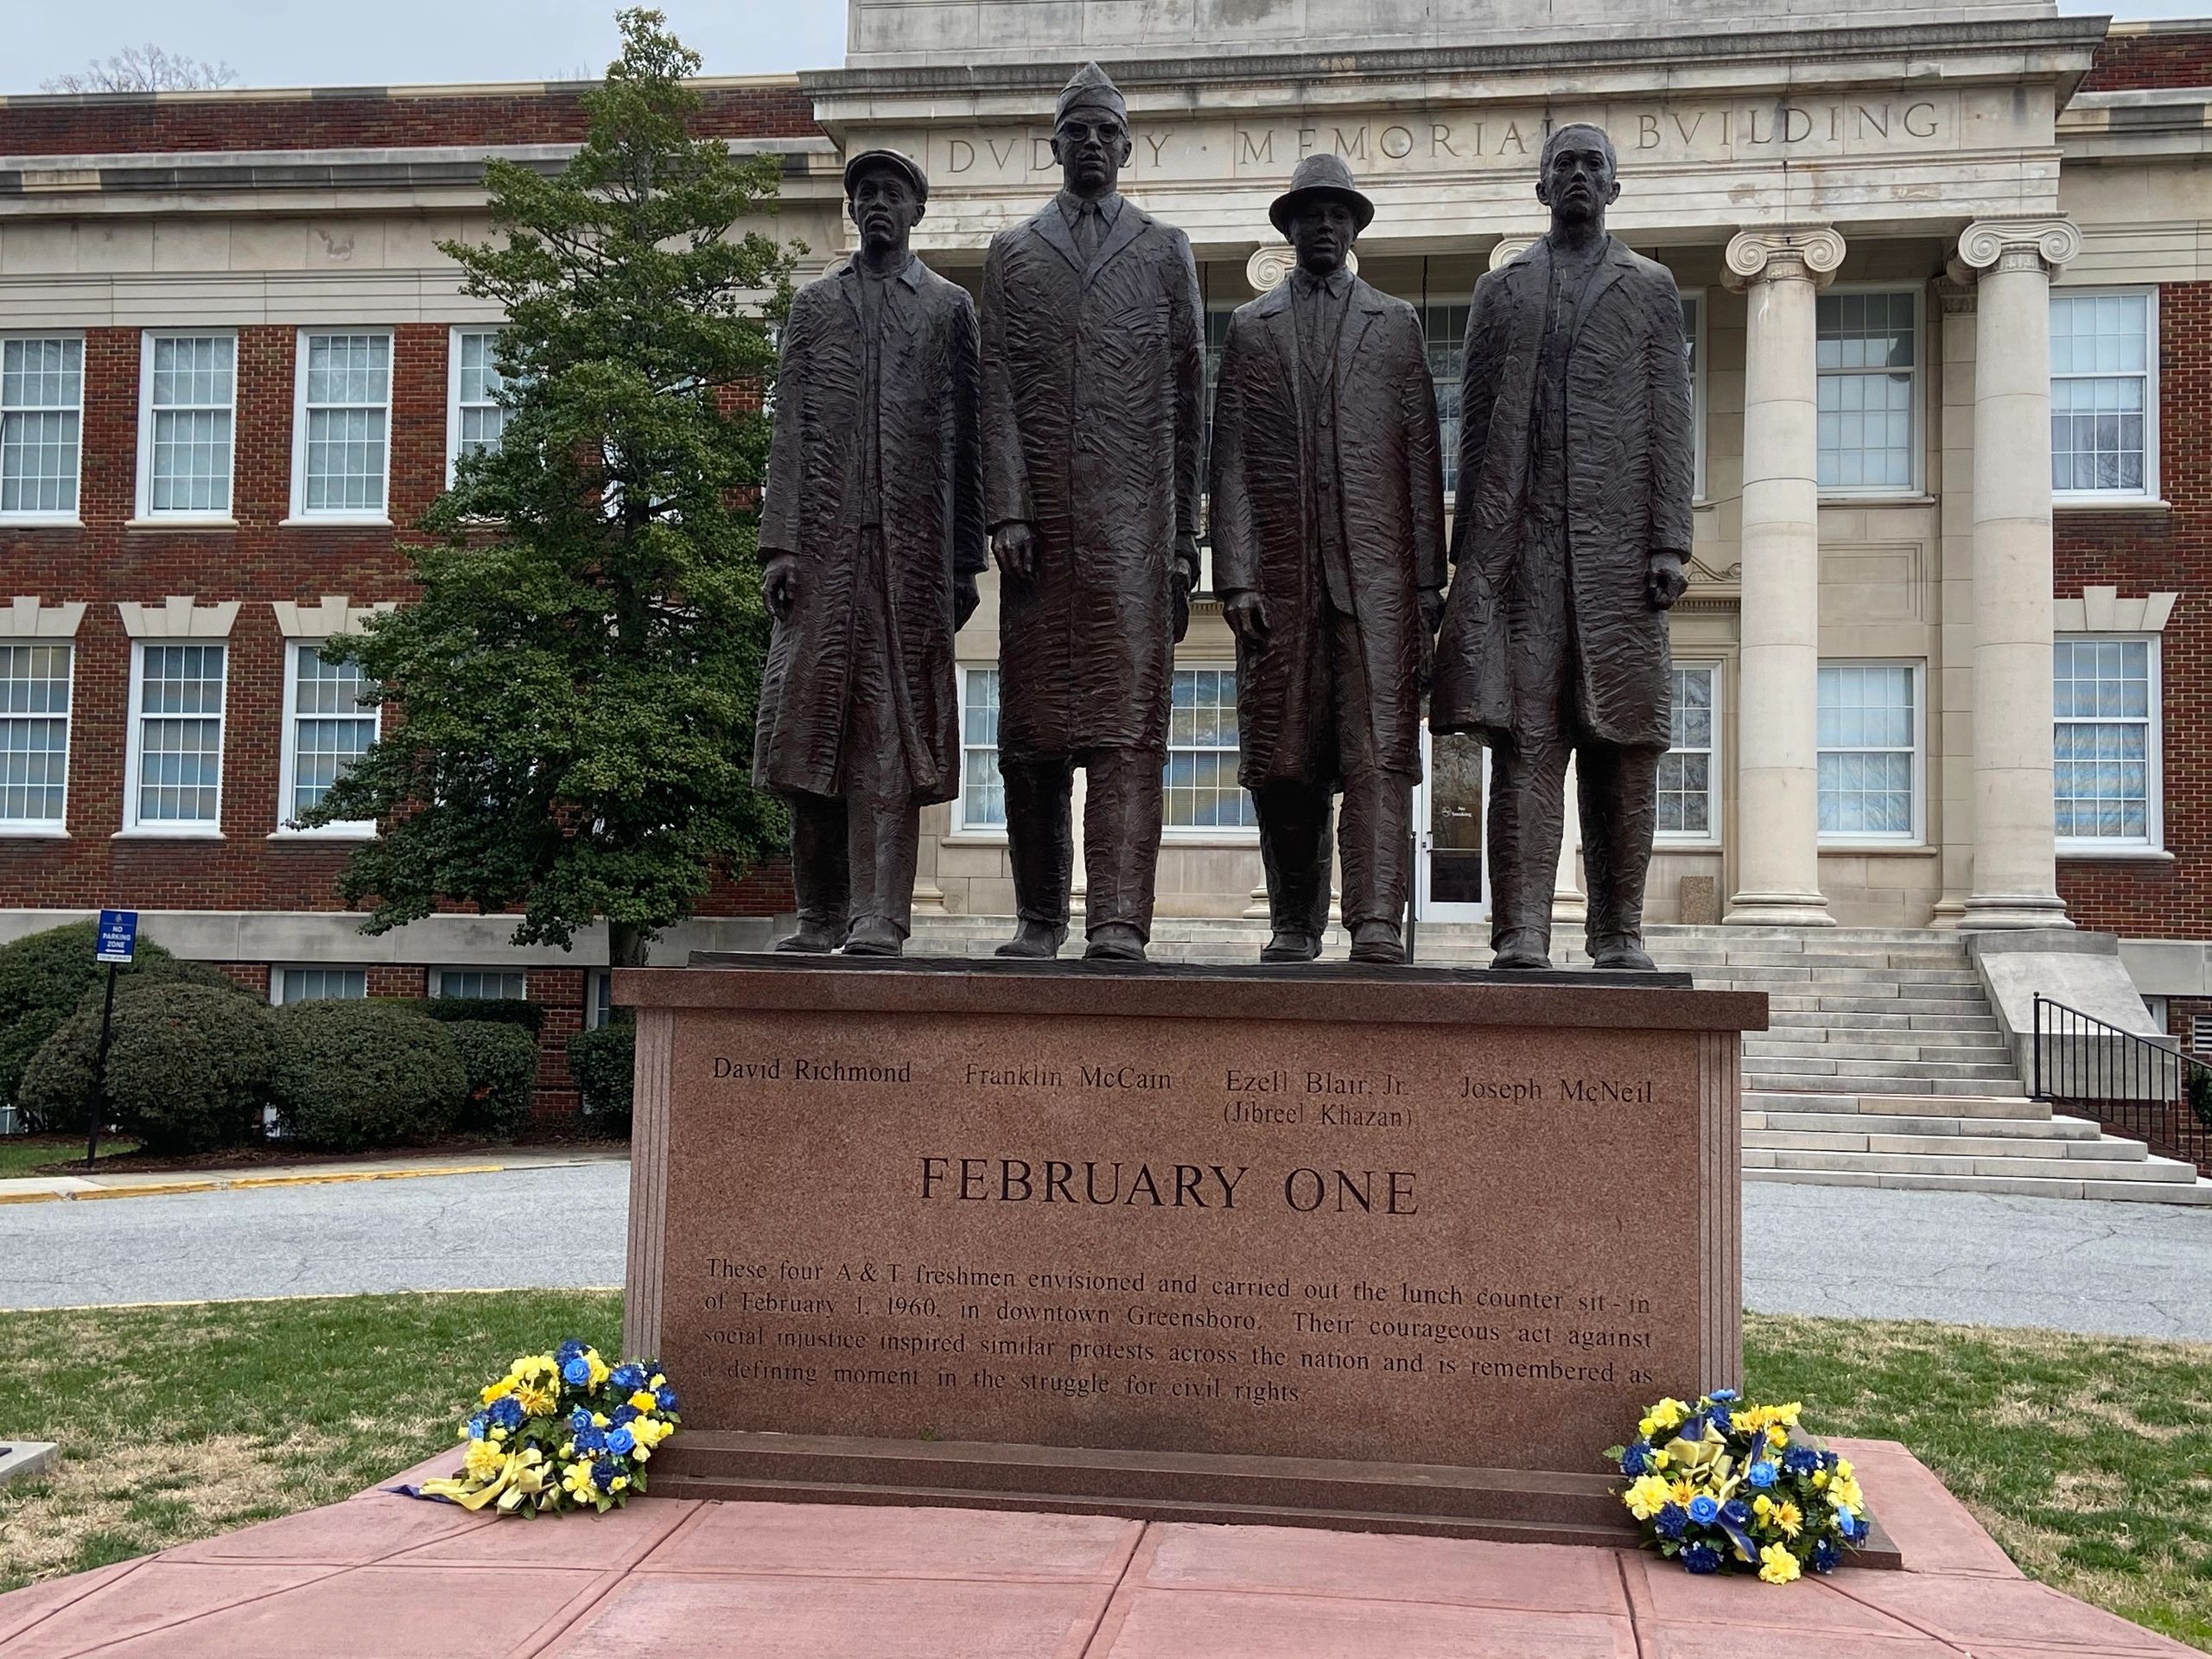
1092,377
1328,553
1568,546
872,532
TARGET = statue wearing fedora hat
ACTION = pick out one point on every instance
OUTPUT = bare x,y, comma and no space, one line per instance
1567,551
1328,551
1092,377
872,531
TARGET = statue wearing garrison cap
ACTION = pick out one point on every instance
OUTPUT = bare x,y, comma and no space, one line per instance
873,534
1092,372
1567,550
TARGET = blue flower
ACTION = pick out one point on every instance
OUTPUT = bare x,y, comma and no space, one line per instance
1723,1394
506,1412
568,1350
666,1398
579,1420
1826,1556
621,1414
628,1378
1700,1558
1829,1460
1723,1418
1853,1527
1800,1461
1736,1513
603,1474
477,1427
621,1442
1671,1521
1637,1459
590,1439
575,1372
1762,1474
1704,1510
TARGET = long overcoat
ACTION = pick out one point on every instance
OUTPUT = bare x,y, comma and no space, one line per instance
1381,419
1628,480
924,422
1092,380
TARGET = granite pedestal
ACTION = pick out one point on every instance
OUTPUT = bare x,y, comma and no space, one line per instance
1392,1250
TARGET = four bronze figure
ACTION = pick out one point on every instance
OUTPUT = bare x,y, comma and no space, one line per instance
1064,430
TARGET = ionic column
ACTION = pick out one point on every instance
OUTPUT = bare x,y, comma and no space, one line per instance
1570,905
2015,863
1777,772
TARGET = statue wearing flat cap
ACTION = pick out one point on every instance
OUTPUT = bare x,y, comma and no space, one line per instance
1567,550
873,534
1328,553
1092,377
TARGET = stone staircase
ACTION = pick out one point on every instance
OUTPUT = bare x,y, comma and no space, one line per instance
1883,1066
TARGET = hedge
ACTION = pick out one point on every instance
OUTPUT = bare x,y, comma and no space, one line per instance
604,1064
476,1010
188,1067
501,1063
354,1074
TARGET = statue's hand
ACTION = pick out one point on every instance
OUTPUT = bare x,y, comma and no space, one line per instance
1666,580
1182,591
779,585
1014,546
1431,610
965,599
1248,617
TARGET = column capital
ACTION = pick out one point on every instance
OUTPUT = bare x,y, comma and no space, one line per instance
1810,252
2042,243
1509,249
1268,267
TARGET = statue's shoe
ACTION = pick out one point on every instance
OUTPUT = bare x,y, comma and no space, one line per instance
1622,950
1033,939
871,935
1377,943
811,941
1114,941
1524,949
1288,946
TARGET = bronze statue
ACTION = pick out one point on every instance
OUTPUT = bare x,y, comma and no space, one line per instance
873,534
1328,553
1092,373
1572,525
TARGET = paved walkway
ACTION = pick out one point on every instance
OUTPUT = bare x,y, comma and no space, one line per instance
380,1575
2119,1270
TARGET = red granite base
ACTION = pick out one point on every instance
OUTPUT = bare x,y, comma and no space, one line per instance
380,1576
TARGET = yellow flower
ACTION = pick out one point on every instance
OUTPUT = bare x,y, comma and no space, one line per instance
643,1400
618,1482
599,1418
535,1399
1787,1414
1682,1491
1788,1518
1645,1496
1777,1437
599,1367
577,1482
482,1460
1660,1459
1846,1495
492,1390
1668,1413
1777,1565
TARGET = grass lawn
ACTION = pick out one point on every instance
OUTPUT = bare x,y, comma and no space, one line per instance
21,1154
2089,1459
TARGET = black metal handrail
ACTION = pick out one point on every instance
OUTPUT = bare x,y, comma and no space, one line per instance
2131,1083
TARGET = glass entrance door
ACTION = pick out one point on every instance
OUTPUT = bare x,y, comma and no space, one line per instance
1449,884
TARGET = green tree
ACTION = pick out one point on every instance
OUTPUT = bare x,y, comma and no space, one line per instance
576,683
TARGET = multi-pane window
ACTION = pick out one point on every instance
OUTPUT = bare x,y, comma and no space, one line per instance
187,406
2103,393
1694,360
1867,348
2105,742
1201,791
41,417
321,985
342,442
598,998
176,738
1444,329
1688,773
327,726
1869,738
478,986
477,419
34,734
982,791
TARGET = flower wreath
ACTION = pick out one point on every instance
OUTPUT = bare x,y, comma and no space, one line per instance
560,1431
1725,1484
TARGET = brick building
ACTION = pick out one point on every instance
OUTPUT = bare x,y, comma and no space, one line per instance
233,368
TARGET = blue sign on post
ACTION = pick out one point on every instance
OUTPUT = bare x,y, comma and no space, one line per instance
119,936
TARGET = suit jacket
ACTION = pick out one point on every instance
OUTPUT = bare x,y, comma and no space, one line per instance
1092,380
1629,477
930,484
1381,422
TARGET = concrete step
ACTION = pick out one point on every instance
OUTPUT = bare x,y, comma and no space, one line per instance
1929,1046
2067,1187
1796,1065
1858,1002
1914,1143
1830,1084
2014,1106
1813,1019
2045,1167
1885,1125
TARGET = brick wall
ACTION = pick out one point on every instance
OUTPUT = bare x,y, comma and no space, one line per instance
2165,552
365,119
2134,62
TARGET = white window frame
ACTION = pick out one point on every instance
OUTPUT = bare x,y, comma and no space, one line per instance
2150,366
1916,483
1684,841
134,752
54,828
1214,835
278,970
75,515
144,506
287,766
962,830
598,1006
437,986
1918,835
300,514
2153,758
454,338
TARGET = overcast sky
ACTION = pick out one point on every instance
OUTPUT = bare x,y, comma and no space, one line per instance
385,42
